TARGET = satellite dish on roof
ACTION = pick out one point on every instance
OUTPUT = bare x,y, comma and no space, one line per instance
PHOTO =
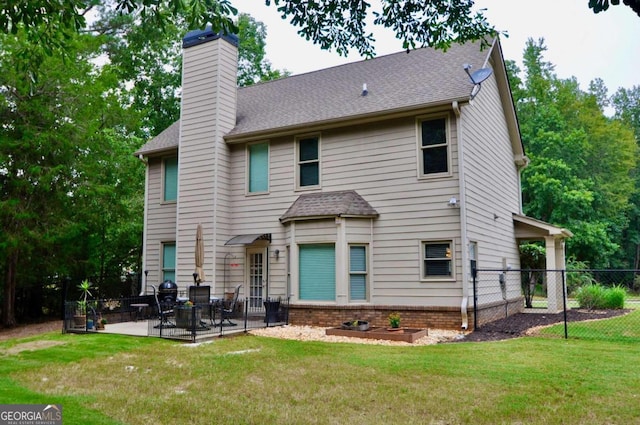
477,78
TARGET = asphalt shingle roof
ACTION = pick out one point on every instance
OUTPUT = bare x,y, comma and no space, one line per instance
395,82
329,204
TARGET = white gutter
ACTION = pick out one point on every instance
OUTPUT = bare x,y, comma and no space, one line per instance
463,220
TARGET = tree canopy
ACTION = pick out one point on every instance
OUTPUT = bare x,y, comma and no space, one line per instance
582,162
71,192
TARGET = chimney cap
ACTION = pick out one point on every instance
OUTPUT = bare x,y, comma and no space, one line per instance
195,37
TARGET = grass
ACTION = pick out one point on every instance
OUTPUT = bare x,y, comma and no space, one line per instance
618,329
110,379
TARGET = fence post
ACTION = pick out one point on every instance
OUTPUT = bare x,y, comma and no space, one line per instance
474,274
564,303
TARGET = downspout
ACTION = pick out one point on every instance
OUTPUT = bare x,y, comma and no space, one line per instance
143,287
463,220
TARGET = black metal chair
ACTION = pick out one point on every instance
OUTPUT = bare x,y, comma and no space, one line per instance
201,296
227,312
165,308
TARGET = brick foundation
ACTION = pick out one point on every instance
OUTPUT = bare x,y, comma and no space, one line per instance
498,310
411,316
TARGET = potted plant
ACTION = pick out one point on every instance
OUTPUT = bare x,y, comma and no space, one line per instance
80,318
394,321
356,325
101,323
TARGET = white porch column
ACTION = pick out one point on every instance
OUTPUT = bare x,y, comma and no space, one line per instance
555,261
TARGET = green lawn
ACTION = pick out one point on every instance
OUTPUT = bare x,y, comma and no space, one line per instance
110,379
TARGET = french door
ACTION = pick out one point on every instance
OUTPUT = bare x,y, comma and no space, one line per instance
256,276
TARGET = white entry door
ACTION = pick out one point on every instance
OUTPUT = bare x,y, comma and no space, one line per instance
256,276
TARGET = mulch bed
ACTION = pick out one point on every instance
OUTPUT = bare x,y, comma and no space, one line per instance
518,324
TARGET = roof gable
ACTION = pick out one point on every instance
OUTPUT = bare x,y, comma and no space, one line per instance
395,82
345,203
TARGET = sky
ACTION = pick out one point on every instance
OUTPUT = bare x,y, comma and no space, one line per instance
579,43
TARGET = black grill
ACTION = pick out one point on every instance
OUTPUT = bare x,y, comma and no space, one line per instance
168,292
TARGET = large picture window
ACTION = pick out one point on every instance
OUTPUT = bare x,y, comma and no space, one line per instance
308,162
434,146
357,273
317,272
169,261
170,179
437,259
258,158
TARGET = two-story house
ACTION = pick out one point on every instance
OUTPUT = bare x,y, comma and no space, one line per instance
355,190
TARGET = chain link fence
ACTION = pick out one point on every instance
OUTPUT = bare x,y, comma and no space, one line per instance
589,303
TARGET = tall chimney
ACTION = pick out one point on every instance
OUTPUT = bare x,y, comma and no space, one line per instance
208,112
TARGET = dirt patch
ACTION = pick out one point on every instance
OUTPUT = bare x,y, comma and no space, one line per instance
31,346
521,324
26,330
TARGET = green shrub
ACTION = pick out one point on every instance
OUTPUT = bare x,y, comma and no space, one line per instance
590,296
615,297
597,297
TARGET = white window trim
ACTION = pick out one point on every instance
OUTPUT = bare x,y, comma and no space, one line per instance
163,162
424,278
248,170
365,273
419,148
297,162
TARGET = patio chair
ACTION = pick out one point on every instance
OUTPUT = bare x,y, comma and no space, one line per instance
201,296
228,311
165,309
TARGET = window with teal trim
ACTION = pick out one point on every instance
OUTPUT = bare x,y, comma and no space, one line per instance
170,179
258,167
317,272
357,273
169,261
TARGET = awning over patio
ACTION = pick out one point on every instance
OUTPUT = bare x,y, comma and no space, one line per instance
248,239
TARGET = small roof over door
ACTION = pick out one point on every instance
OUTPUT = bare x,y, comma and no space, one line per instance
248,239
530,228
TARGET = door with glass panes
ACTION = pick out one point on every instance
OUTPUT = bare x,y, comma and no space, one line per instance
256,276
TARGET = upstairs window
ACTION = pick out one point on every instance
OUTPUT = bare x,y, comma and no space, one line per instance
437,259
170,179
258,166
434,147
308,162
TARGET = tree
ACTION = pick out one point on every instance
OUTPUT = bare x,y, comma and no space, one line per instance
626,103
337,24
147,62
580,176
53,142
253,67
602,5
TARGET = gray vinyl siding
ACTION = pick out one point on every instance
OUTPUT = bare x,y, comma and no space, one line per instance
160,220
492,179
379,161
